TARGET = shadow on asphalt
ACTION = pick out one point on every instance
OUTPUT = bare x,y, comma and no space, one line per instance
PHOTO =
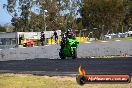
91,65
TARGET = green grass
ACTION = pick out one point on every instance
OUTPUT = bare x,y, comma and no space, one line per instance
126,38
30,81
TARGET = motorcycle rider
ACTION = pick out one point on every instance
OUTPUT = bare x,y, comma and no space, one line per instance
72,35
66,35
63,41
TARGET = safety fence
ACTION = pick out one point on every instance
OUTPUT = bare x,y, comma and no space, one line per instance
79,39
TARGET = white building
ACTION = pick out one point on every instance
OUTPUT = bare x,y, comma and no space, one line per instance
12,40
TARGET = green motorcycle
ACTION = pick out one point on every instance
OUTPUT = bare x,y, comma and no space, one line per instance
69,48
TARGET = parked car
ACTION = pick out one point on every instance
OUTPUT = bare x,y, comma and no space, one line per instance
118,35
130,33
28,43
107,36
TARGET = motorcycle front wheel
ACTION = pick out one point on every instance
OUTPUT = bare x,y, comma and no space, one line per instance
74,56
62,55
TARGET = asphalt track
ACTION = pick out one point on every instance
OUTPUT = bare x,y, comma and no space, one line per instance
43,66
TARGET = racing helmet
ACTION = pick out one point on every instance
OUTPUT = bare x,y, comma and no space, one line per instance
72,33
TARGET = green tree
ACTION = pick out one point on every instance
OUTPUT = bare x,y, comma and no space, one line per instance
61,14
2,28
105,15
20,14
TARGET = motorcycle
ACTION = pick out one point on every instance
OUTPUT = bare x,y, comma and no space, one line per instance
69,48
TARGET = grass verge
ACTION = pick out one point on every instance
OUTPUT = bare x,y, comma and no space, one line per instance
126,38
113,39
30,81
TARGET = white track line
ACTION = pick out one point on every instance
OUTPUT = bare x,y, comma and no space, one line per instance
46,45
117,40
104,41
12,48
88,42
35,46
22,47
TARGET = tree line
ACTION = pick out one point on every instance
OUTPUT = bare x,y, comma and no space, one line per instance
97,16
